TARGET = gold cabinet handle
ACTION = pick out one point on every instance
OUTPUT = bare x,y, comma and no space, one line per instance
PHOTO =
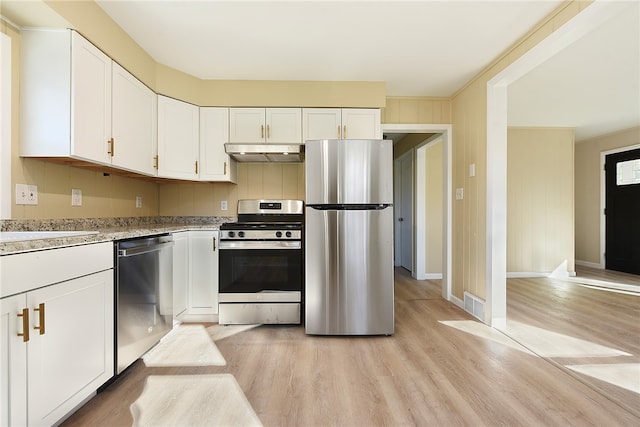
344,132
214,244
40,311
25,324
225,168
111,147
155,162
196,166
261,131
339,133
268,131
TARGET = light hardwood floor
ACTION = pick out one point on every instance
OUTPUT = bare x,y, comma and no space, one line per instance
440,368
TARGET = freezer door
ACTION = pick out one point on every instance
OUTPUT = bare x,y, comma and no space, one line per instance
349,171
349,272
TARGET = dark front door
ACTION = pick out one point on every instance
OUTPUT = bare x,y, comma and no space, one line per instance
622,247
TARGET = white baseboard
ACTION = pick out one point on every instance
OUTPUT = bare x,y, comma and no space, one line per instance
200,318
429,276
590,264
457,301
525,274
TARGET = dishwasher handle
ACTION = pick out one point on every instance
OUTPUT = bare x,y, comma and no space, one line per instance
143,249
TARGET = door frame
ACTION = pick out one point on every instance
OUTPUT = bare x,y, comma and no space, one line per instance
397,235
496,149
603,197
447,224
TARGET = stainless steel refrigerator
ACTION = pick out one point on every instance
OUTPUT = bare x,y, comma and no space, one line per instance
349,237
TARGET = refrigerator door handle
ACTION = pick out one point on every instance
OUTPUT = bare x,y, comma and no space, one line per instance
350,207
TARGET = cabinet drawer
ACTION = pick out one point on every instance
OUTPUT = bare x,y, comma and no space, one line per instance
25,271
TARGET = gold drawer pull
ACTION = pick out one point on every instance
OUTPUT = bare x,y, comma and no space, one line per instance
25,324
40,311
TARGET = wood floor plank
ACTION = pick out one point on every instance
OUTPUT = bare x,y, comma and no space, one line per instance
440,368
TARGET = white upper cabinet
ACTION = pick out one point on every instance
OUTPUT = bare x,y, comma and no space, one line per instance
90,101
215,164
278,125
76,102
178,139
341,123
134,123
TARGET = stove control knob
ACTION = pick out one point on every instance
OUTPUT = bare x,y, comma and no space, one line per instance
232,234
288,234
240,233
278,234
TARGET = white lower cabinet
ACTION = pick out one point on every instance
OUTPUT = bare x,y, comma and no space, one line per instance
180,273
203,275
195,276
57,342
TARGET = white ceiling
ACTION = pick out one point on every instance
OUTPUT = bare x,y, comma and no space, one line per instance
418,48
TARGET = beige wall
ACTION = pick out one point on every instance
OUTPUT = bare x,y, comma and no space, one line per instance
469,120
587,189
434,207
540,213
416,110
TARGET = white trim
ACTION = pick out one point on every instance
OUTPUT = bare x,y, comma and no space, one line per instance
526,274
457,301
430,276
447,244
398,192
581,24
603,198
589,264
5,126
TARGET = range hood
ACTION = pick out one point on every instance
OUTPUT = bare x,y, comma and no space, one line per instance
265,152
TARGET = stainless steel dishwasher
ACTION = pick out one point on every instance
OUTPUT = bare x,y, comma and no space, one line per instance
144,296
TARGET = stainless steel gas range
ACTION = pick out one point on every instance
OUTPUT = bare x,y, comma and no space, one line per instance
261,275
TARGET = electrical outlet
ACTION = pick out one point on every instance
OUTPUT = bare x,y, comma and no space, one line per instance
26,194
76,197
223,205
459,193
138,201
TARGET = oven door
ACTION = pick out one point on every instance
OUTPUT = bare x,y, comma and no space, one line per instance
270,268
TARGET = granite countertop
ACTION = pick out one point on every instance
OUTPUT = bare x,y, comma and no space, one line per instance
99,230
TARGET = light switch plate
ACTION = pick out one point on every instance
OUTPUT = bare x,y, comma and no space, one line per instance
459,193
76,197
223,205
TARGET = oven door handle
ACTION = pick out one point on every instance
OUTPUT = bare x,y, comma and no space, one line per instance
248,244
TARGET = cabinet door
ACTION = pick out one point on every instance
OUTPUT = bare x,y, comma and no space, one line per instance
90,101
284,125
321,123
180,273
203,267
72,354
361,123
178,139
13,362
215,164
134,123
247,125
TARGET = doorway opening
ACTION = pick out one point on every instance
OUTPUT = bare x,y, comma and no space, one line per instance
418,229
